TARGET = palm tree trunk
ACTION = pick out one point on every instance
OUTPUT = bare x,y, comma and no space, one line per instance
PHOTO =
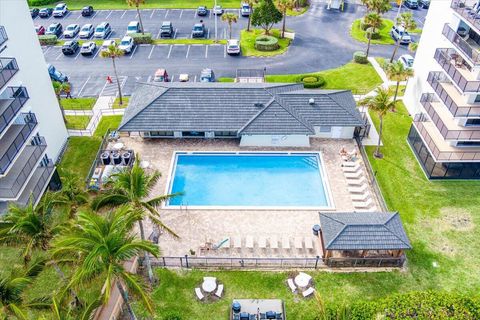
396,92
377,153
283,25
394,51
64,279
248,25
369,41
140,20
127,302
120,101
146,255
230,30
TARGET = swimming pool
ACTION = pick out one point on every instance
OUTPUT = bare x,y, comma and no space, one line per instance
249,179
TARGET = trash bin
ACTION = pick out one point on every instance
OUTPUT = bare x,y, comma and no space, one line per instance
316,229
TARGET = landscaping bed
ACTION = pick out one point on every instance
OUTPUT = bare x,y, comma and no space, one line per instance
79,155
384,36
247,43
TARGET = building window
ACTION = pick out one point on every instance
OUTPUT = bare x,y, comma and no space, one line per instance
468,144
161,133
477,98
193,134
325,129
472,122
225,134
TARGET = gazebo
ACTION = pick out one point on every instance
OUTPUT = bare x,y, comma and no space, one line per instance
363,239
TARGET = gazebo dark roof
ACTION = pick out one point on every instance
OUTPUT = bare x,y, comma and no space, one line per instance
363,231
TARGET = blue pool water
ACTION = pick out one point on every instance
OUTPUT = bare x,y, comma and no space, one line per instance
250,179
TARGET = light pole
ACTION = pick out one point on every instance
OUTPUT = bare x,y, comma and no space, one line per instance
398,12
216,40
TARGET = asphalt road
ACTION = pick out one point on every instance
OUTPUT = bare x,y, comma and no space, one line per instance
322,41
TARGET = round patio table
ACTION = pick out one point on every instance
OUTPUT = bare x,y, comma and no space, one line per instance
118,146
209,286
302,280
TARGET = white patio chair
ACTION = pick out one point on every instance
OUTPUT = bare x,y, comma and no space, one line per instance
308,243
357,182
237,242
219,291
262,242
349,164
351,169
199,294
249,242
360,189
292,285
298,243
361,197
363,204
308,292
355,175
285,243
274,242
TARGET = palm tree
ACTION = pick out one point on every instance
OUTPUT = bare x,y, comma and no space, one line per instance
113,52
407,21
397,72
283,6
378,6
373,21
62,310
72,194
381,103
137,4
102,244
250,3
230,18
413,46
59,88
132,187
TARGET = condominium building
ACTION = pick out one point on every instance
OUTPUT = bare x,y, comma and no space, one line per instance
32,131
444,95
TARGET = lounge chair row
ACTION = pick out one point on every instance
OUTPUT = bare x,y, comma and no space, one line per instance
358,186
272,242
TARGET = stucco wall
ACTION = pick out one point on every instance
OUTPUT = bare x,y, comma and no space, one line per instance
335,133
275,141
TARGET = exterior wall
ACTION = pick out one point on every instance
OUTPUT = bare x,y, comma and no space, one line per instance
275,141
335,133
23,45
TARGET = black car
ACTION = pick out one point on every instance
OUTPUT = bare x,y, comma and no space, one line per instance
198,30
166,31
34,12
202,11
45,12
87,11
70,47
412,4
425,4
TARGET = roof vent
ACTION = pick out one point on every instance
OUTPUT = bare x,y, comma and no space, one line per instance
259,105
311,101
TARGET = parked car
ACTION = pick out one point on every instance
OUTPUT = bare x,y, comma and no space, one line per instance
425,4
86,31
183,77
34,12
40,30
70,47
218,10
134,27
45,12
127,44
60,10
71,31
56,75
107,43
207,75
102,30
233,47
88,48
407,61
400,34
54,29
166,31
161,75
198,30
87,11
412,4
202,11
245,10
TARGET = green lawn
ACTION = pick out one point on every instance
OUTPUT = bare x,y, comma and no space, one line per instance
401,90
247,43
125,101
78,103
107,122
122,4
224,79
79,155
298,12
385,38
77,122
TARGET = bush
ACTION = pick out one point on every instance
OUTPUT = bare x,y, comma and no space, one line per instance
360,57
311,81
374,35
139,38
48,40
266,43
172,315
37,3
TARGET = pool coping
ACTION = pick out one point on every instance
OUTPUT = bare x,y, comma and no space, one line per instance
323,174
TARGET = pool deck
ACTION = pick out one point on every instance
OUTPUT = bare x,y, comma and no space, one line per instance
195,227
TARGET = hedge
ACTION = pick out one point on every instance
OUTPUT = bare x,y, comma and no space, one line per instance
311,81
48,40
139,38
37,3
374,35
266,43
360,57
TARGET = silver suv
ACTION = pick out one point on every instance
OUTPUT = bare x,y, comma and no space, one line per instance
102,30
400,34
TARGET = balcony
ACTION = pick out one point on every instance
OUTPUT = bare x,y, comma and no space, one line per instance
441,150
14,139
3,35
12,100
8,68
13,183
457,69
37,184
465,9
444,122
469,49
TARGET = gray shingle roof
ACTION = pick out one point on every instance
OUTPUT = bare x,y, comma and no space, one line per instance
363,231
247,108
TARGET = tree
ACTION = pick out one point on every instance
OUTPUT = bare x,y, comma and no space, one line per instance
407,21
230,18
132,187
113,52
59,88
137,4
381,103
413,46
250,3
283,6
373,21
378,6
102,244
397,72
72,194
266,15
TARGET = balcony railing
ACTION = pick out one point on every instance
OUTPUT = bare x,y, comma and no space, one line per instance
8,68
463,135
3,35
439,155
451,62
30,122
462,45
465,9
7,113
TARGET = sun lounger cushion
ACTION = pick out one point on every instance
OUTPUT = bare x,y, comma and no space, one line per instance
308,243
237,242
262,242
285,243
249,242
274,242
298,243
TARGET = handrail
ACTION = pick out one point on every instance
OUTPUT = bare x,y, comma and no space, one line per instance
8,68
3,35
461,44
19,96
444,57
467,12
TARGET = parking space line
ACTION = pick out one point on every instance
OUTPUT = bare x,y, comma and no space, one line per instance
153,12
188,50
169,52
48,48
224,51
79,16
208,33
81,89
151,51
149,78
194,14
96,53
195,79
121,17
158,34
108,14
59,55
181,12
175,33
173,77
206,52
94,15
166,13
133,52
77,54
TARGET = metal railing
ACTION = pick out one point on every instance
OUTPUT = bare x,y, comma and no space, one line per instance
367,262
467,12
37,191
3,35
19,96
29,122
461,44
8,68
444,57
467,134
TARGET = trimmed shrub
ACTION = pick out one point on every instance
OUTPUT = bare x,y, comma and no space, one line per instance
360,57
139,38
37,3
375,35
311,81
266,43
48,40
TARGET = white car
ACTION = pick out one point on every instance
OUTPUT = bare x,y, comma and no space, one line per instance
60,10
400,34
103,30
127,44
88,48
134,27
217,10
86,31
183,77
106,44
233,47
71,31
245,10
407,61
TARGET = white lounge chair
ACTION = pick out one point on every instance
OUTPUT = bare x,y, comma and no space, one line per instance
219,291
361,197
285,243
357,182
351,169
308,243
349,164
363,204
308,292
262,242
199,294
298,243
249,242
355,175
360,189
237,242
292,285
274,242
